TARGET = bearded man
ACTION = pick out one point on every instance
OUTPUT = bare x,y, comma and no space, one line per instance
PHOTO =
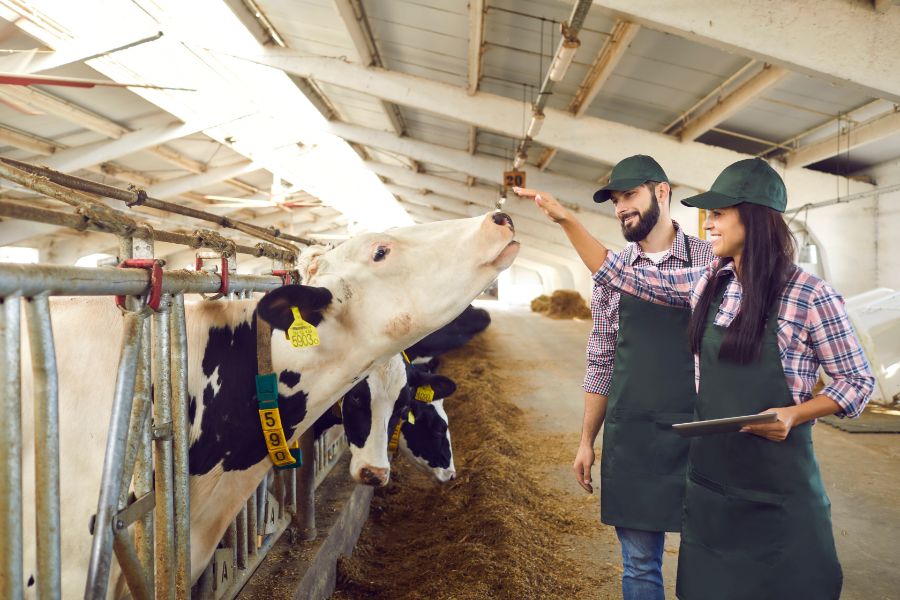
640,380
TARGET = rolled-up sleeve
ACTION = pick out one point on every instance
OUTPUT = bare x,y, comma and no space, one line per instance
601,345
668,288
832,337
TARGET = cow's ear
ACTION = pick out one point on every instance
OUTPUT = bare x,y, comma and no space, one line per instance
442,386
275,307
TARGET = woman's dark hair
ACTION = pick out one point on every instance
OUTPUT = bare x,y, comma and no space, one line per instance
766,264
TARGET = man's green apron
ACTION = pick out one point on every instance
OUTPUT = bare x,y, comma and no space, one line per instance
757,521
642,467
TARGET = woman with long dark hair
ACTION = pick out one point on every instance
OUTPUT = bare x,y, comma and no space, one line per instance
756,521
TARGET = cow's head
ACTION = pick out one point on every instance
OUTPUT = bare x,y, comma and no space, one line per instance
393,288
367,410
425,439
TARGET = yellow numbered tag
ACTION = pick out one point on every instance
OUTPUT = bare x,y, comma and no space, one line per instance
411,418
424,393
300,333
270,419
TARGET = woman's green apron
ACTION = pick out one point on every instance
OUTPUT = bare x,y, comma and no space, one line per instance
757,521
643,461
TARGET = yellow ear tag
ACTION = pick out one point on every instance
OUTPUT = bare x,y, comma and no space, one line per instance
424,393
410,418
301,334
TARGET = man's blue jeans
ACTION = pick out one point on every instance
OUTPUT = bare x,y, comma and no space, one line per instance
642,553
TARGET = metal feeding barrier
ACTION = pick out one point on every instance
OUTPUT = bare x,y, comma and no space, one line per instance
143,509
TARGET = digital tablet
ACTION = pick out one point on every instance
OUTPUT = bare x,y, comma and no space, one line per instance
726,425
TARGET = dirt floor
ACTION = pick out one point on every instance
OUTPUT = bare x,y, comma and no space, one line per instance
516,525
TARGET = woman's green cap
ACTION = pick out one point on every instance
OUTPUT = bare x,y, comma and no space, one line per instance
630,173
750,180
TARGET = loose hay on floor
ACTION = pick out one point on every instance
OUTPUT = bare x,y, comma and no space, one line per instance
498,531
562,304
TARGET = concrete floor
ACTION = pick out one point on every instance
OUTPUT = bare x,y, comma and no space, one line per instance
860,470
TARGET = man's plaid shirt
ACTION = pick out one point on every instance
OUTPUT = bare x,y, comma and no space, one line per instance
813,327
601,345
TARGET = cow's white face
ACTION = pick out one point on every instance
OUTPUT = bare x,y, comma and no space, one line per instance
400,285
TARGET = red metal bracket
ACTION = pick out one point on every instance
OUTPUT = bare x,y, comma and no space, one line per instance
156,277
223,275
287,276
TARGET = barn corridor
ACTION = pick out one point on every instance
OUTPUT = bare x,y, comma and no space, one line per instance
860,470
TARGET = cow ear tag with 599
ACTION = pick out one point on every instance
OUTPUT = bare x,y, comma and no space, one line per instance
301,334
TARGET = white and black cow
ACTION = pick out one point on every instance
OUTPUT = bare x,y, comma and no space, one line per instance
371,411
370,297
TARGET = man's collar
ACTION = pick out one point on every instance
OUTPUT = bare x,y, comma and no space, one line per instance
678,249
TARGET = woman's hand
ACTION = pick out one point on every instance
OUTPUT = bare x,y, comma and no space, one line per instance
778,430
549,205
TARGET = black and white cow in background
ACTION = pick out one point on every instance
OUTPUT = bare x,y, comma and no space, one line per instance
371,411
370,298
454,334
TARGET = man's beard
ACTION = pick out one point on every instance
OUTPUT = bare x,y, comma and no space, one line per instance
645,222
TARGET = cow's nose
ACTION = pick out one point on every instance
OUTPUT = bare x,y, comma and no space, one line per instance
374,476
501,218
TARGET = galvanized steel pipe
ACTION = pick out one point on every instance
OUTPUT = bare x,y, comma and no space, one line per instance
46,446
180,444
11,575
162,443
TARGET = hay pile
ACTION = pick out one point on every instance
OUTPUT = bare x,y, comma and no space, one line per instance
497,532
563,304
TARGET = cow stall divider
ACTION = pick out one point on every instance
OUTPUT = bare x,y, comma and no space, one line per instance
143,509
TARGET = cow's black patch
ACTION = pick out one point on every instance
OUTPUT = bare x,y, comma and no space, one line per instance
30,580
192,409
275,307
230,430
289,378
454,334
427,437
357,413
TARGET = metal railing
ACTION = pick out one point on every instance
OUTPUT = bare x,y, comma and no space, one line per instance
148,530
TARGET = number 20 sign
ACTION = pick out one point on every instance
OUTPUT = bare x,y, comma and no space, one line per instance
514,178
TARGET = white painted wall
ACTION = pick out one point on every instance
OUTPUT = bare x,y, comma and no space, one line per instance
888,226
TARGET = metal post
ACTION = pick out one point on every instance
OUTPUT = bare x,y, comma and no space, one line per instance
11,575
46,446
162,442
101,549
241,542
305,517
180,433
143,466
138,584
252,523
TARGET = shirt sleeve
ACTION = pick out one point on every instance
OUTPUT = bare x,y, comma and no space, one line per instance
601,345
669,287
839,352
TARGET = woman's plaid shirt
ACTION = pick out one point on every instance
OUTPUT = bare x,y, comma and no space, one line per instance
813,327
601,345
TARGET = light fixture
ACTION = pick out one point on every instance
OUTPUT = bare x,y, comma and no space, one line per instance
564,55
521,157
537,121
809,253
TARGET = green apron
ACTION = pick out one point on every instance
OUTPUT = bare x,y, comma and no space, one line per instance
642,466
757,521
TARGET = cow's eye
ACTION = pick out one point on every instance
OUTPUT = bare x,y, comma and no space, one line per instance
380,253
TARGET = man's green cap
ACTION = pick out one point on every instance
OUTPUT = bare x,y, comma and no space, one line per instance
750,180
630,173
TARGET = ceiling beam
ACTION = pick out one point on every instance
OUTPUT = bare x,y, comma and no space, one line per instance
609,56
476,42
576,192
725,107
604,227
80,50
82,157
179,185
800,35
27,141
353,16
867,132
692,164
63,109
